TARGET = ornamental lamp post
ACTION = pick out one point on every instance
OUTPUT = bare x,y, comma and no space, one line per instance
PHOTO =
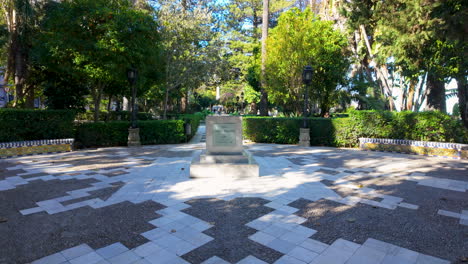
132,77
307,80
304,135
242,101
133,131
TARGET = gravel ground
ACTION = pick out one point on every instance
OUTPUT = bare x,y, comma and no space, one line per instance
26,238
420,230
230,232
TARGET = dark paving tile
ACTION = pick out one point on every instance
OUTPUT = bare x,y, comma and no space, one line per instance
230,234
454,171
25,196
418,230
4,173
34,175
26,238
115,173
429,199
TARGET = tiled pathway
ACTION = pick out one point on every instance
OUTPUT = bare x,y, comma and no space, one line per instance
310,205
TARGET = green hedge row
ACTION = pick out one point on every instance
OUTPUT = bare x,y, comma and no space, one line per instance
286,130
20,125
109,134
345,132
113,116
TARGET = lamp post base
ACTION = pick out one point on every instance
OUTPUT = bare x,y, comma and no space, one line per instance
134,137
304,137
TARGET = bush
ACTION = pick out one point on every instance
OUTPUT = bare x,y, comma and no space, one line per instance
345,132
109,134
113,116
286,130
25,124
162,132
194,120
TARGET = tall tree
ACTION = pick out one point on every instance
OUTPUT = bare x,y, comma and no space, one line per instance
263,91
301,39
99,40
190,49
20,18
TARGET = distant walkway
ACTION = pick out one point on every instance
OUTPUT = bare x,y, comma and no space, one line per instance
200,136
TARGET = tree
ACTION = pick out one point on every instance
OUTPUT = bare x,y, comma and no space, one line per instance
97,41
190,54
301,39
20,18
263,83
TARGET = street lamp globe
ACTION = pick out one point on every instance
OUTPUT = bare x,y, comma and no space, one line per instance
307,75
132,75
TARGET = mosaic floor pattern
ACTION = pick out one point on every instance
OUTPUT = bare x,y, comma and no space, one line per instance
310,205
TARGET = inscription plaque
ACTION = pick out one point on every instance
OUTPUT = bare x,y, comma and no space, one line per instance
224,135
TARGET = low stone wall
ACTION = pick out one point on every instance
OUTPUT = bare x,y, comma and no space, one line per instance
23,148
426,148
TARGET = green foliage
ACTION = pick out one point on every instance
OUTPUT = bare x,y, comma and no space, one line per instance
102,134
20,125
301,39
93,43
162,132
116,133
194,120
271,130
345,132
428,126
113,116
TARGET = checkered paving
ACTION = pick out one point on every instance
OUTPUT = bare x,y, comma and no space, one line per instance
286,216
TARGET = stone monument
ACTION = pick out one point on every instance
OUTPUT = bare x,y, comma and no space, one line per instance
224,155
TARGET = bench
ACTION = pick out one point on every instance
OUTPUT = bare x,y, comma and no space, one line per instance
32,147
426,148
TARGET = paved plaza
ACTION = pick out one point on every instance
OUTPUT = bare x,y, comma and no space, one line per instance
310,205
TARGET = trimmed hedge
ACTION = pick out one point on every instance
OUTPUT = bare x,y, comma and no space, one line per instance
286,130
345,132
26,124
110,134
115,133
113,116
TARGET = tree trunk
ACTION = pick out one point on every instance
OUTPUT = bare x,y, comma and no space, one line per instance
97,102
462,99
380,70
263,92
435,87
29,94
19,68
411,92
253,108
166,99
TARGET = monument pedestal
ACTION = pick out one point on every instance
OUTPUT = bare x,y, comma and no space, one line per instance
224,166
224,156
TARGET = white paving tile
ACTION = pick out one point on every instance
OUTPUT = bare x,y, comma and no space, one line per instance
215,260
90,258
77,251
124,258
303,254
289,260
56,258
314,245
262,238
251,260
112,250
